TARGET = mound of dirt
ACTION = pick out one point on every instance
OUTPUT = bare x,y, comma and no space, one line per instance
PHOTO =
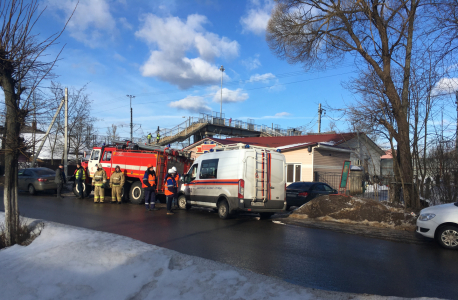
346,209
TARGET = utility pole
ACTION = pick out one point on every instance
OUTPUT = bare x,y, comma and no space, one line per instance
221,107
320,111
47,133
66,134
131,117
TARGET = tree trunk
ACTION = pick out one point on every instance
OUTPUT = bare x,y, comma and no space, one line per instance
411,199
11,162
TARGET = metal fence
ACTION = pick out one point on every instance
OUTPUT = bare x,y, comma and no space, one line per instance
358,184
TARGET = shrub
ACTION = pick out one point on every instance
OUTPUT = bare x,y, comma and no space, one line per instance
25,235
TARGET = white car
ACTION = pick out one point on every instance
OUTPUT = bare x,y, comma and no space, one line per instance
441,223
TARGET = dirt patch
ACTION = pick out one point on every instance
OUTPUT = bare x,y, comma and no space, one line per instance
352,210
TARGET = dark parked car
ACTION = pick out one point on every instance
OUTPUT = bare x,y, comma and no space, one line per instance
299,193
36,179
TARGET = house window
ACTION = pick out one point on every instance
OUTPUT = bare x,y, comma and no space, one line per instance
293,172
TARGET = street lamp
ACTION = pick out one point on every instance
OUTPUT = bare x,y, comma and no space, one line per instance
131,124
221,108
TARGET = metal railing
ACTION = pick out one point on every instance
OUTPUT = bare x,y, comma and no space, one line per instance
187,125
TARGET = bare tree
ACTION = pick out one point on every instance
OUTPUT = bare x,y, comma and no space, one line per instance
379,34
21,70
112,133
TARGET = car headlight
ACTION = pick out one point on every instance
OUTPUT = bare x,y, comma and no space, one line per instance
426,217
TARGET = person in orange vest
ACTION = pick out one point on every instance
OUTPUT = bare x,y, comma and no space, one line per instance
149,185
176,176
170,190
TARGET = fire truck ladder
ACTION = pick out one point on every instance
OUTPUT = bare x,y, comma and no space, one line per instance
260,170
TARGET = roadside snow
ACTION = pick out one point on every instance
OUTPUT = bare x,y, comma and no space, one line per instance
66,262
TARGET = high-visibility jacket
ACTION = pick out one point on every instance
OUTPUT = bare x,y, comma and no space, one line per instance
177,180
170,186
158,136
149,178
149,136
80,173
100,177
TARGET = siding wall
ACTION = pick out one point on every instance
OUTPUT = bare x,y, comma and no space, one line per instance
369,154
303,157
329,161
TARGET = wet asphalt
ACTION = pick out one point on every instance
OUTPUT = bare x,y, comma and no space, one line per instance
308,257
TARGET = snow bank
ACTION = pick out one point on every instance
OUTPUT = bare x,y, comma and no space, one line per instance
65,262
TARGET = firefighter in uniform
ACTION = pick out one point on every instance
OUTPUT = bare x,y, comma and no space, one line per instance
170,191
116,184
80,177
149,185
100,178
176,176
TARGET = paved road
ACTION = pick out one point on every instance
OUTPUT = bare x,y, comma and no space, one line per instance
309,257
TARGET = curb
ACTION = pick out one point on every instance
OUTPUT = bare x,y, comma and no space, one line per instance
393,235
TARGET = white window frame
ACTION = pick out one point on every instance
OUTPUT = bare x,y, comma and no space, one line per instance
294,172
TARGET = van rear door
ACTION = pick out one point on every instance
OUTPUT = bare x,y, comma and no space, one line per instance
277,178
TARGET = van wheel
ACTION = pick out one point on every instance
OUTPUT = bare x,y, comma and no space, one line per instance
183,203
31,189
265,216
447,236
223,209
136,194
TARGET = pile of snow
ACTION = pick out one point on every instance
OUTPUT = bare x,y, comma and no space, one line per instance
66,262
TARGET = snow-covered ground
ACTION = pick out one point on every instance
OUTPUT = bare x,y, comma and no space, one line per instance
66,262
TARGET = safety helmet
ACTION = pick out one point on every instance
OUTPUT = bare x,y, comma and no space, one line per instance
99,165
174,169
170,171
149,166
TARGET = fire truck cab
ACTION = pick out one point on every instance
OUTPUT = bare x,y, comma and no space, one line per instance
133,160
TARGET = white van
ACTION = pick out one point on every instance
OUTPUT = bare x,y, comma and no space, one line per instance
231,180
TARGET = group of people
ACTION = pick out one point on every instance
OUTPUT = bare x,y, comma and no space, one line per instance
99,182
116,182
171,183
150,136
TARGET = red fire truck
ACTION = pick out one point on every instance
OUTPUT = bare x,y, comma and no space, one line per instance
133,159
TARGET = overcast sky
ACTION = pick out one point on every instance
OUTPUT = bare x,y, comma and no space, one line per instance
168,54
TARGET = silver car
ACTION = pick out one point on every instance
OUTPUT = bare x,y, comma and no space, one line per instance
36,179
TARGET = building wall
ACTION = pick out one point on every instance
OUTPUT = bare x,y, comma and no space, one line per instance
369,157
303,157
328,161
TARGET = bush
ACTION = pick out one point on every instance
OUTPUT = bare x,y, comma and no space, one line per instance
26,233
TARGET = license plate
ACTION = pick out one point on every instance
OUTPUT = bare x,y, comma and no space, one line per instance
291,195
257,203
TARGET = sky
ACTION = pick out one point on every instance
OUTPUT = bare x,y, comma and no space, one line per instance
168,53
